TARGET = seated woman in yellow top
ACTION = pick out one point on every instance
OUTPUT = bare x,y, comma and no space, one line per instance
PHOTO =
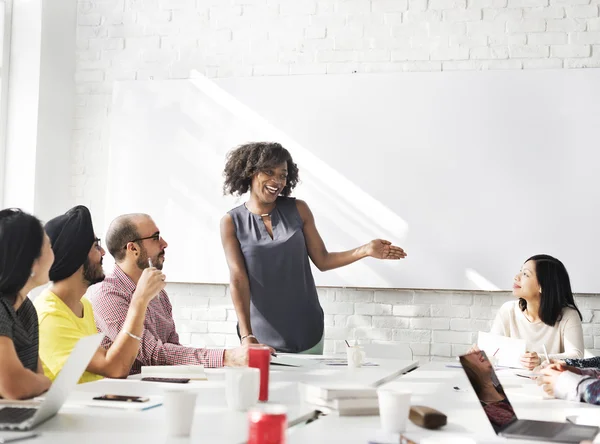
25,258
65,316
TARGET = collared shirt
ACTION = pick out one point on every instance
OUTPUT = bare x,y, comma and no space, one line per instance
160,341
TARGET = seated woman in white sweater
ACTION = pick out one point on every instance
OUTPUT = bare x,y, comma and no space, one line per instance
544,314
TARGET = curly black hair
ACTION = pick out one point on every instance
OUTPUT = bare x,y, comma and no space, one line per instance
246,160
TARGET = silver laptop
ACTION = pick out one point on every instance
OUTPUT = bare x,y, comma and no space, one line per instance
501,415
20,417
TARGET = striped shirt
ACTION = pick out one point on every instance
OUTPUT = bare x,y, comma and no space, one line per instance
584,387
160,341
21,327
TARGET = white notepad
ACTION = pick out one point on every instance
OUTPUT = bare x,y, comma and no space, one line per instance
331,391
508,351
123,405
291,361
193,372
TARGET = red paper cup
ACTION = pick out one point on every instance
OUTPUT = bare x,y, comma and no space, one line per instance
260,357
268,424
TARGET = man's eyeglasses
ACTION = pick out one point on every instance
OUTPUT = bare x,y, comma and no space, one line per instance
155,237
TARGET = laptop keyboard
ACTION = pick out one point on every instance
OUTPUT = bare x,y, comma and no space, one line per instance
15,415
538,428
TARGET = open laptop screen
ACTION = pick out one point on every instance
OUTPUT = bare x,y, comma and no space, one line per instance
488,389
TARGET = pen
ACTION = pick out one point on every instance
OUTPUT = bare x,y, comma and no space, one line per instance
546,353
7,439
150,265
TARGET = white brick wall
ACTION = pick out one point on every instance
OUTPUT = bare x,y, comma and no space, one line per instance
127,39
437,325
138,39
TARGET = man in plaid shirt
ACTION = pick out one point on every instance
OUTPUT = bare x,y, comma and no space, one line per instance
136,244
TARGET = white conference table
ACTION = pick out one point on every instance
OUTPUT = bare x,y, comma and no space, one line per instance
433,385
213,421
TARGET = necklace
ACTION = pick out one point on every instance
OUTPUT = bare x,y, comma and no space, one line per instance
261,215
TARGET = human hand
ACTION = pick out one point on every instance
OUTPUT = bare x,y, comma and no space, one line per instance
238,357
562,367
151,282
473,349
383,249
530,360
548,379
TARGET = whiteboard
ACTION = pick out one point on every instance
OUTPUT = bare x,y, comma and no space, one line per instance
470,172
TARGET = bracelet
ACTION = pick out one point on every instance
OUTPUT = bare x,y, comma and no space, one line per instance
246,336
131,335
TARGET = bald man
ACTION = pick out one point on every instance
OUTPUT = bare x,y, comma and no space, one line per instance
134,241
65,316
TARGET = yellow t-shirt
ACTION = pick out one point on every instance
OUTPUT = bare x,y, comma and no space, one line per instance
60,330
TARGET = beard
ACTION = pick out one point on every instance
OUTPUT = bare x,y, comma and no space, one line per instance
93,273
157,262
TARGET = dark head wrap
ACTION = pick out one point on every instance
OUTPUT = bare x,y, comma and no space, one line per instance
72,236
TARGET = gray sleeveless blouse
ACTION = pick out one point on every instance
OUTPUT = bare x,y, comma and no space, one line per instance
284,306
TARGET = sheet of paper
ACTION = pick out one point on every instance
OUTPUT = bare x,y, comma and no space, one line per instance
194,372
291,361
507,350
154,401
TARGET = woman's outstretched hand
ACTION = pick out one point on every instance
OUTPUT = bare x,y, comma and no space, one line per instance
383,249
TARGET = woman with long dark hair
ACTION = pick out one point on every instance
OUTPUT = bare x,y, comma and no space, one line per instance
268,242
544,314
25,260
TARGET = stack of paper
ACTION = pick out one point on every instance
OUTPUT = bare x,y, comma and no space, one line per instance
193,372
343,399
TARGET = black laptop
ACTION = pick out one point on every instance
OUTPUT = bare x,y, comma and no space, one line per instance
501,415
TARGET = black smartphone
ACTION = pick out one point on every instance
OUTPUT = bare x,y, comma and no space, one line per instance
173,380
121,398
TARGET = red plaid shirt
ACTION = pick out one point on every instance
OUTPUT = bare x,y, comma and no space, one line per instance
160,341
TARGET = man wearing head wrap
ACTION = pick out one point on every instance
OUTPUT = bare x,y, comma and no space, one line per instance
65,316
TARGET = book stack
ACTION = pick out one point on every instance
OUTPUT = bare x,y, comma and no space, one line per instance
343,399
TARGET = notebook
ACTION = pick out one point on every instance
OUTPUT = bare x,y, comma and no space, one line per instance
193,372
333,391
350,406
154,401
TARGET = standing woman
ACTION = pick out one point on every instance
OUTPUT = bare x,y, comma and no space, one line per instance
25,260
267,243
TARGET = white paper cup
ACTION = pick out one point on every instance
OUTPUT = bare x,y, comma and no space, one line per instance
355,356
394,406
179,407
242,386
